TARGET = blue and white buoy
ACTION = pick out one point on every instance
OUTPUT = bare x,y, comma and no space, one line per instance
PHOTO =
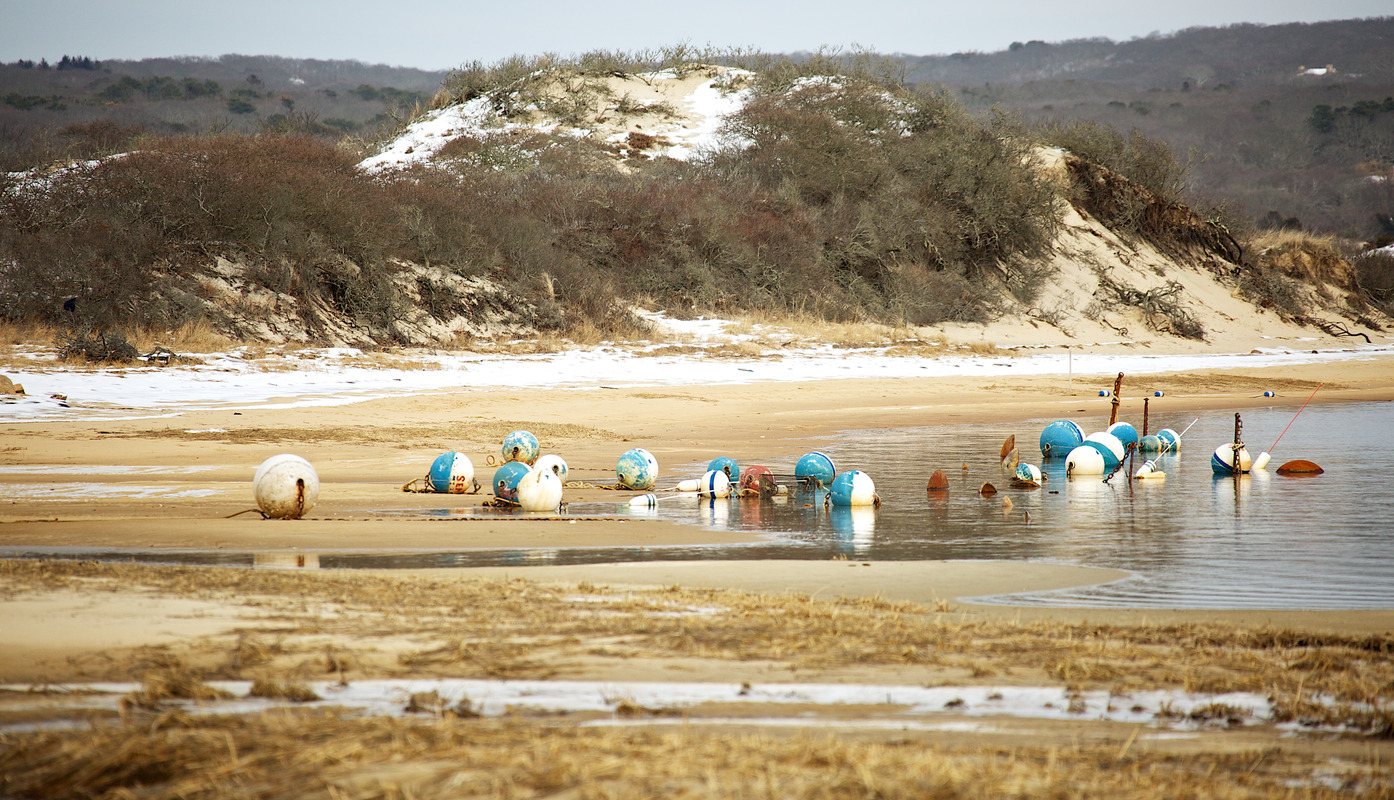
853,488
451,473
816,468
637,469
1125,432
1029,474
1228,461
1059,438
520,446
715,484
1108,445
1151,443
1171,440
506,479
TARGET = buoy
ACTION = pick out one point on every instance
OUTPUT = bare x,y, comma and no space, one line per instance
853,488
1300,467
539,490
1010,460
1104,393
552,463
1159,393
816,468
1171,440
1109,446
938,482
506,479
1059,438
715,484
1270,394
1261,461
1087,459
1226,461
1008,446
1148,470
451,473
727,465
987,490
520,446
637,469
1027,475
1151,443
644,501
689,485
758,480
1125,432
286,486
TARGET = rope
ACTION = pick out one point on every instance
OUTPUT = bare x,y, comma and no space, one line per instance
1294,419
423,486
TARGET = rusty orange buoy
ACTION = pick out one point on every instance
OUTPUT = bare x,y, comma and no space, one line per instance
1300,467
938,482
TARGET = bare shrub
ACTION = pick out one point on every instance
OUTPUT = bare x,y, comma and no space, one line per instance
1375,272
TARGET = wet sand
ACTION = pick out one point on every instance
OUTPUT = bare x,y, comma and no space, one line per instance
71,483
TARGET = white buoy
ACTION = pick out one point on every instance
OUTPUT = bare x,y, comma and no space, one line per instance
1149,470
689,485
644,501
540,490
1227,461
286,487
1113,443
1084,460
1261,461
853,488
552,463
715,483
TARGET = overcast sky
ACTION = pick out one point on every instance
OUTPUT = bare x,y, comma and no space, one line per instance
431,34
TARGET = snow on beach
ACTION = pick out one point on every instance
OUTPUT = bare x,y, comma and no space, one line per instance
338,376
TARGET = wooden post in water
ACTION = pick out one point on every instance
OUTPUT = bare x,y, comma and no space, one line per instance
1117,386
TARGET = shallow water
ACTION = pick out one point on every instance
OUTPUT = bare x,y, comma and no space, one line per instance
1192,540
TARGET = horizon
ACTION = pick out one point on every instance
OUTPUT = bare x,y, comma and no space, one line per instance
452,35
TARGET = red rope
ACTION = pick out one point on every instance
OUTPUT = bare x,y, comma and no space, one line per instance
1294,419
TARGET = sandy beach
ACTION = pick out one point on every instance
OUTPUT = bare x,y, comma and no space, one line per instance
147,482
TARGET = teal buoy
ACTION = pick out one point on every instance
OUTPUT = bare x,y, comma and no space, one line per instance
1059,438
815,468
1171,440
520,446
728,466
637,469
506,480
1151,443
1125,432
853,488
451,473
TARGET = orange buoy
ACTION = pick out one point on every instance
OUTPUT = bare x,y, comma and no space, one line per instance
1009,445
1300,467
987,490
938,482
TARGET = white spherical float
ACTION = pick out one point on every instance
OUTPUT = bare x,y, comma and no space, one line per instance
1108,440
286,486
539,490
552,463
1084,460
520,446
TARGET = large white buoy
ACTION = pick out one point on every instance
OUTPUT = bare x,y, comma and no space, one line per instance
286,487
540,490
1084,460
1113,443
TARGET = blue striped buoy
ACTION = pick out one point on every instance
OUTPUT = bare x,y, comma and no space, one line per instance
1224,462
715,484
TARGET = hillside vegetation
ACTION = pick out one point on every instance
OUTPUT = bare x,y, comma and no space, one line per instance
834,191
